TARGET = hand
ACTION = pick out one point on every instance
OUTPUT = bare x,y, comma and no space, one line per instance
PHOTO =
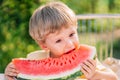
88,68
10,72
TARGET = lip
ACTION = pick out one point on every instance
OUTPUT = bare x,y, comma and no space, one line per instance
70,51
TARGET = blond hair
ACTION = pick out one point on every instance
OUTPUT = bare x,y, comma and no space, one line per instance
50,18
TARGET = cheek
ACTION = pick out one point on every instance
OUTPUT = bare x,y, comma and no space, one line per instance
57,48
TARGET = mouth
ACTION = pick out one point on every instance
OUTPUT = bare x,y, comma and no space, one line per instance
70,51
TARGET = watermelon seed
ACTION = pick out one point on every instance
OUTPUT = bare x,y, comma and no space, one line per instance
61,64
66,58
70,61
29,60
75,55
56,63
45,63
65,62
73,58
49,64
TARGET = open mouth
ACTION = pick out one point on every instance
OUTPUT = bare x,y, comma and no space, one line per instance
70,51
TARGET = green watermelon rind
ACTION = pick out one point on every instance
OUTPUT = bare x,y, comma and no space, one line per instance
60,75
70,77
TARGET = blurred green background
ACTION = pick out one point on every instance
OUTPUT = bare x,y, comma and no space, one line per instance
14,22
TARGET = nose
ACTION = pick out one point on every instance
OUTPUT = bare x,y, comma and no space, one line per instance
69,44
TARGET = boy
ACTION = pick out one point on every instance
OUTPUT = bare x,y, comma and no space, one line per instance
54,27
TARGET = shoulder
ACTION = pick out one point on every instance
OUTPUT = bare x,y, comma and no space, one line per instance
39,54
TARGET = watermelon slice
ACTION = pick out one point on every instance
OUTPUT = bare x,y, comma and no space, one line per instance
54,68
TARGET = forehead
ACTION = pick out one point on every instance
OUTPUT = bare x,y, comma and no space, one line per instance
63,31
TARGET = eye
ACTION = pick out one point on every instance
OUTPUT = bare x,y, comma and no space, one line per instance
72,34
59,40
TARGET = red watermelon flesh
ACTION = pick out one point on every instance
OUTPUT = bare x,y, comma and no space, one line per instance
54,67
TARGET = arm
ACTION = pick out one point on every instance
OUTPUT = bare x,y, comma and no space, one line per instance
104,73
89,68
10,72
107,75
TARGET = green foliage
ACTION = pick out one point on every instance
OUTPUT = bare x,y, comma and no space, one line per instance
93,6
109,47
15,40
116,48
14,21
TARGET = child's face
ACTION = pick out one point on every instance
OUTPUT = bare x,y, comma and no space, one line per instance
62,42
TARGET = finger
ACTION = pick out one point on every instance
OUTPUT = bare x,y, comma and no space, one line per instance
11,73
92,62
11,68
84,71
87,71
14,70
86,68
9,78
